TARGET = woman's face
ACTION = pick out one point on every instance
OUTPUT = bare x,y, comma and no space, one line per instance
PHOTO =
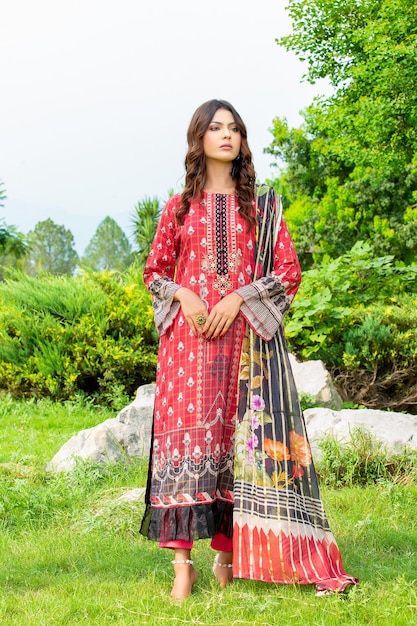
222,139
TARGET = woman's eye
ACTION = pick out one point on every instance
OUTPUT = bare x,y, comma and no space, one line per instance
214,128
235,129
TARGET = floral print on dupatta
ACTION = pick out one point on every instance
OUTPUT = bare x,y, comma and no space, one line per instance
280,530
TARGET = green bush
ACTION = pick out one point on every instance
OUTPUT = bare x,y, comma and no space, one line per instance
336,294
90,334
358,314
382,335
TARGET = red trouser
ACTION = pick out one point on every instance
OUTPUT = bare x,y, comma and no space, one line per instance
219,542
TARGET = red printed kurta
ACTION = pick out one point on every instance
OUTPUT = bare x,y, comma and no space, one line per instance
212,253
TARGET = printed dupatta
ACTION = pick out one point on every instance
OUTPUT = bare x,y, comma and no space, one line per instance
280,530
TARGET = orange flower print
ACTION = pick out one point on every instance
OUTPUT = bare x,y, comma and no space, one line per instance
300,450
276,450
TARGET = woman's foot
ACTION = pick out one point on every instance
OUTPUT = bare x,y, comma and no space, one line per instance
185,577
222,568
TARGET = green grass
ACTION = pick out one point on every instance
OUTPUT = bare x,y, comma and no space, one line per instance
70,552
33,431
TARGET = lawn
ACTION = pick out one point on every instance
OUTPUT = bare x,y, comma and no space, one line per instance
70,551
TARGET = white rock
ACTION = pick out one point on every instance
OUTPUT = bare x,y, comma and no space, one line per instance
312,378
395,430
128,434
134,495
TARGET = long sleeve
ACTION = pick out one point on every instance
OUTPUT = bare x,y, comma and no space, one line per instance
159,271
267,299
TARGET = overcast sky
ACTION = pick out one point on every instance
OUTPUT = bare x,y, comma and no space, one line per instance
96,97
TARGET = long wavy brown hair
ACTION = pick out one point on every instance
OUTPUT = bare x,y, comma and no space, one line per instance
243,172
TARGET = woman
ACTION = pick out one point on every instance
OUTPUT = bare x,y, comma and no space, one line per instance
230,458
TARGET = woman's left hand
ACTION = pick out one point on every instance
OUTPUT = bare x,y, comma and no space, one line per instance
222,316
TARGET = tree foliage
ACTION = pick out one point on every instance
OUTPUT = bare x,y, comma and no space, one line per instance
357,313
2,194
109,248
144,221
350,171
331,34
13,244
51,250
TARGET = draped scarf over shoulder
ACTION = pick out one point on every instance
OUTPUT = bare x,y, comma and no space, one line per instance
280,530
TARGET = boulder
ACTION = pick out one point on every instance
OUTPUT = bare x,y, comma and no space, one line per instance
134,495
312,378
128,434
395,430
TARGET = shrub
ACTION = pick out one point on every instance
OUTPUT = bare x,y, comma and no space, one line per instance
378,356
364,460
358,315
61,336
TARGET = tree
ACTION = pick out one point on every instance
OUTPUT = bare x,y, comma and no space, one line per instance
144,220
109,248
13,244
51,250
13,248
2,194
351,169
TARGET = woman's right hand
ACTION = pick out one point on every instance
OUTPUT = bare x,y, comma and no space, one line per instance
192,307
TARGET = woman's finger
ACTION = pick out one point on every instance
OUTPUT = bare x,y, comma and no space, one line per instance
218,326
196,322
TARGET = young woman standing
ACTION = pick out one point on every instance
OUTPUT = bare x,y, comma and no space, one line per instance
230,457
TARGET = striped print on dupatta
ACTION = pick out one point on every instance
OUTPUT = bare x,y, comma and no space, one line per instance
280,530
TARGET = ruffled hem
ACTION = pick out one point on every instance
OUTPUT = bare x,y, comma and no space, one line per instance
188,523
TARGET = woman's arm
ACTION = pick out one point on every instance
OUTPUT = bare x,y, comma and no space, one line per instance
159,271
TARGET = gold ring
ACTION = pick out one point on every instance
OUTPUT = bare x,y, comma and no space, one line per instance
200,320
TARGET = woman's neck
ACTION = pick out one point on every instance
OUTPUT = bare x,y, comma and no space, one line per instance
218,178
